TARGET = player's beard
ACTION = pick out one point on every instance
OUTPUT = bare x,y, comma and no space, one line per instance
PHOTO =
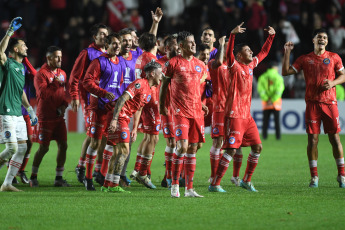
173,53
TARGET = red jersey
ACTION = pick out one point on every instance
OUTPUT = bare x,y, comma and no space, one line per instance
140,93
50,93
142,60
203,87
316,69
239,96
185,86
220,84
79,69
164,63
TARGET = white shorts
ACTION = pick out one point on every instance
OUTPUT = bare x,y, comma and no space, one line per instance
12,129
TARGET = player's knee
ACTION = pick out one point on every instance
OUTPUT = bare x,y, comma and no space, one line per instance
22,148
11,148
63,146
257,148
43,149
198,146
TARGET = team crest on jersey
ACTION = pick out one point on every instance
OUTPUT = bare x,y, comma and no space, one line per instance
326,61
166,130
62,77
178,132
215,130
93,130
23,72
198,69
137,86
88,120
7,134
158,127
232,140
250,72
123,135
40,137
148,98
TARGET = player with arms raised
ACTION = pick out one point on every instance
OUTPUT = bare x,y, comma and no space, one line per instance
320,68
240,128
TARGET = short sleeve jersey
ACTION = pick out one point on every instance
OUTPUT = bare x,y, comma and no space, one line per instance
316,70
142,60
12,79
140,93
220,84
185,86
239,95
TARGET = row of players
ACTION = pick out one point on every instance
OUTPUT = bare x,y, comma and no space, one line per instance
115,96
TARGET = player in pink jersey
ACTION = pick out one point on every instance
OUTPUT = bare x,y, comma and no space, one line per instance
171,48
133,99
240,128
184,74
320,68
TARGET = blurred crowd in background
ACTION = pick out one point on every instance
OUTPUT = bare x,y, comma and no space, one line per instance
66,23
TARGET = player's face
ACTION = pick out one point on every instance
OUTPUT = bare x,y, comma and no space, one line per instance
189,46
21,49
114,48
320,41
204,56
135,40
100,37
157,77
208,38
55,59
246,54
172,48
127,43
160,46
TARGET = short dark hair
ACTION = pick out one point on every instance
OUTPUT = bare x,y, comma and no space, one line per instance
111,36
238,48
203,47
319,31
52,49
12,43
95,28
183,35
125,31
151,66
207,28
170,39
147,41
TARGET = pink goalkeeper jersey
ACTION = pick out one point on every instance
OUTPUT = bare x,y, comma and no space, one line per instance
239,96
316,69
185,86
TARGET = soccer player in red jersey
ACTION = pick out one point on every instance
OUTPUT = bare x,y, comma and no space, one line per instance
171,48
320,68
133,99
108,71
184,74
220,83
50,83
240,128
79,94
208,39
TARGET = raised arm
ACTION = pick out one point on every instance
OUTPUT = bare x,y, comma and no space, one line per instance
16,23
163,94
230,58
267,46
156,18
286,67
220,54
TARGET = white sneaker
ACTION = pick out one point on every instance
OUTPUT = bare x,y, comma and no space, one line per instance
175,191
191,193
341,181
133,175
314,182
236,181
9,188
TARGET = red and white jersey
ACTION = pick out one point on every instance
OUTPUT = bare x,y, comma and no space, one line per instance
164,63
239,96
140,93
185,86
220,85
142,60
316,70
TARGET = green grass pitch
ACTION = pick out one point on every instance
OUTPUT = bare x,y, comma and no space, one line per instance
282,176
